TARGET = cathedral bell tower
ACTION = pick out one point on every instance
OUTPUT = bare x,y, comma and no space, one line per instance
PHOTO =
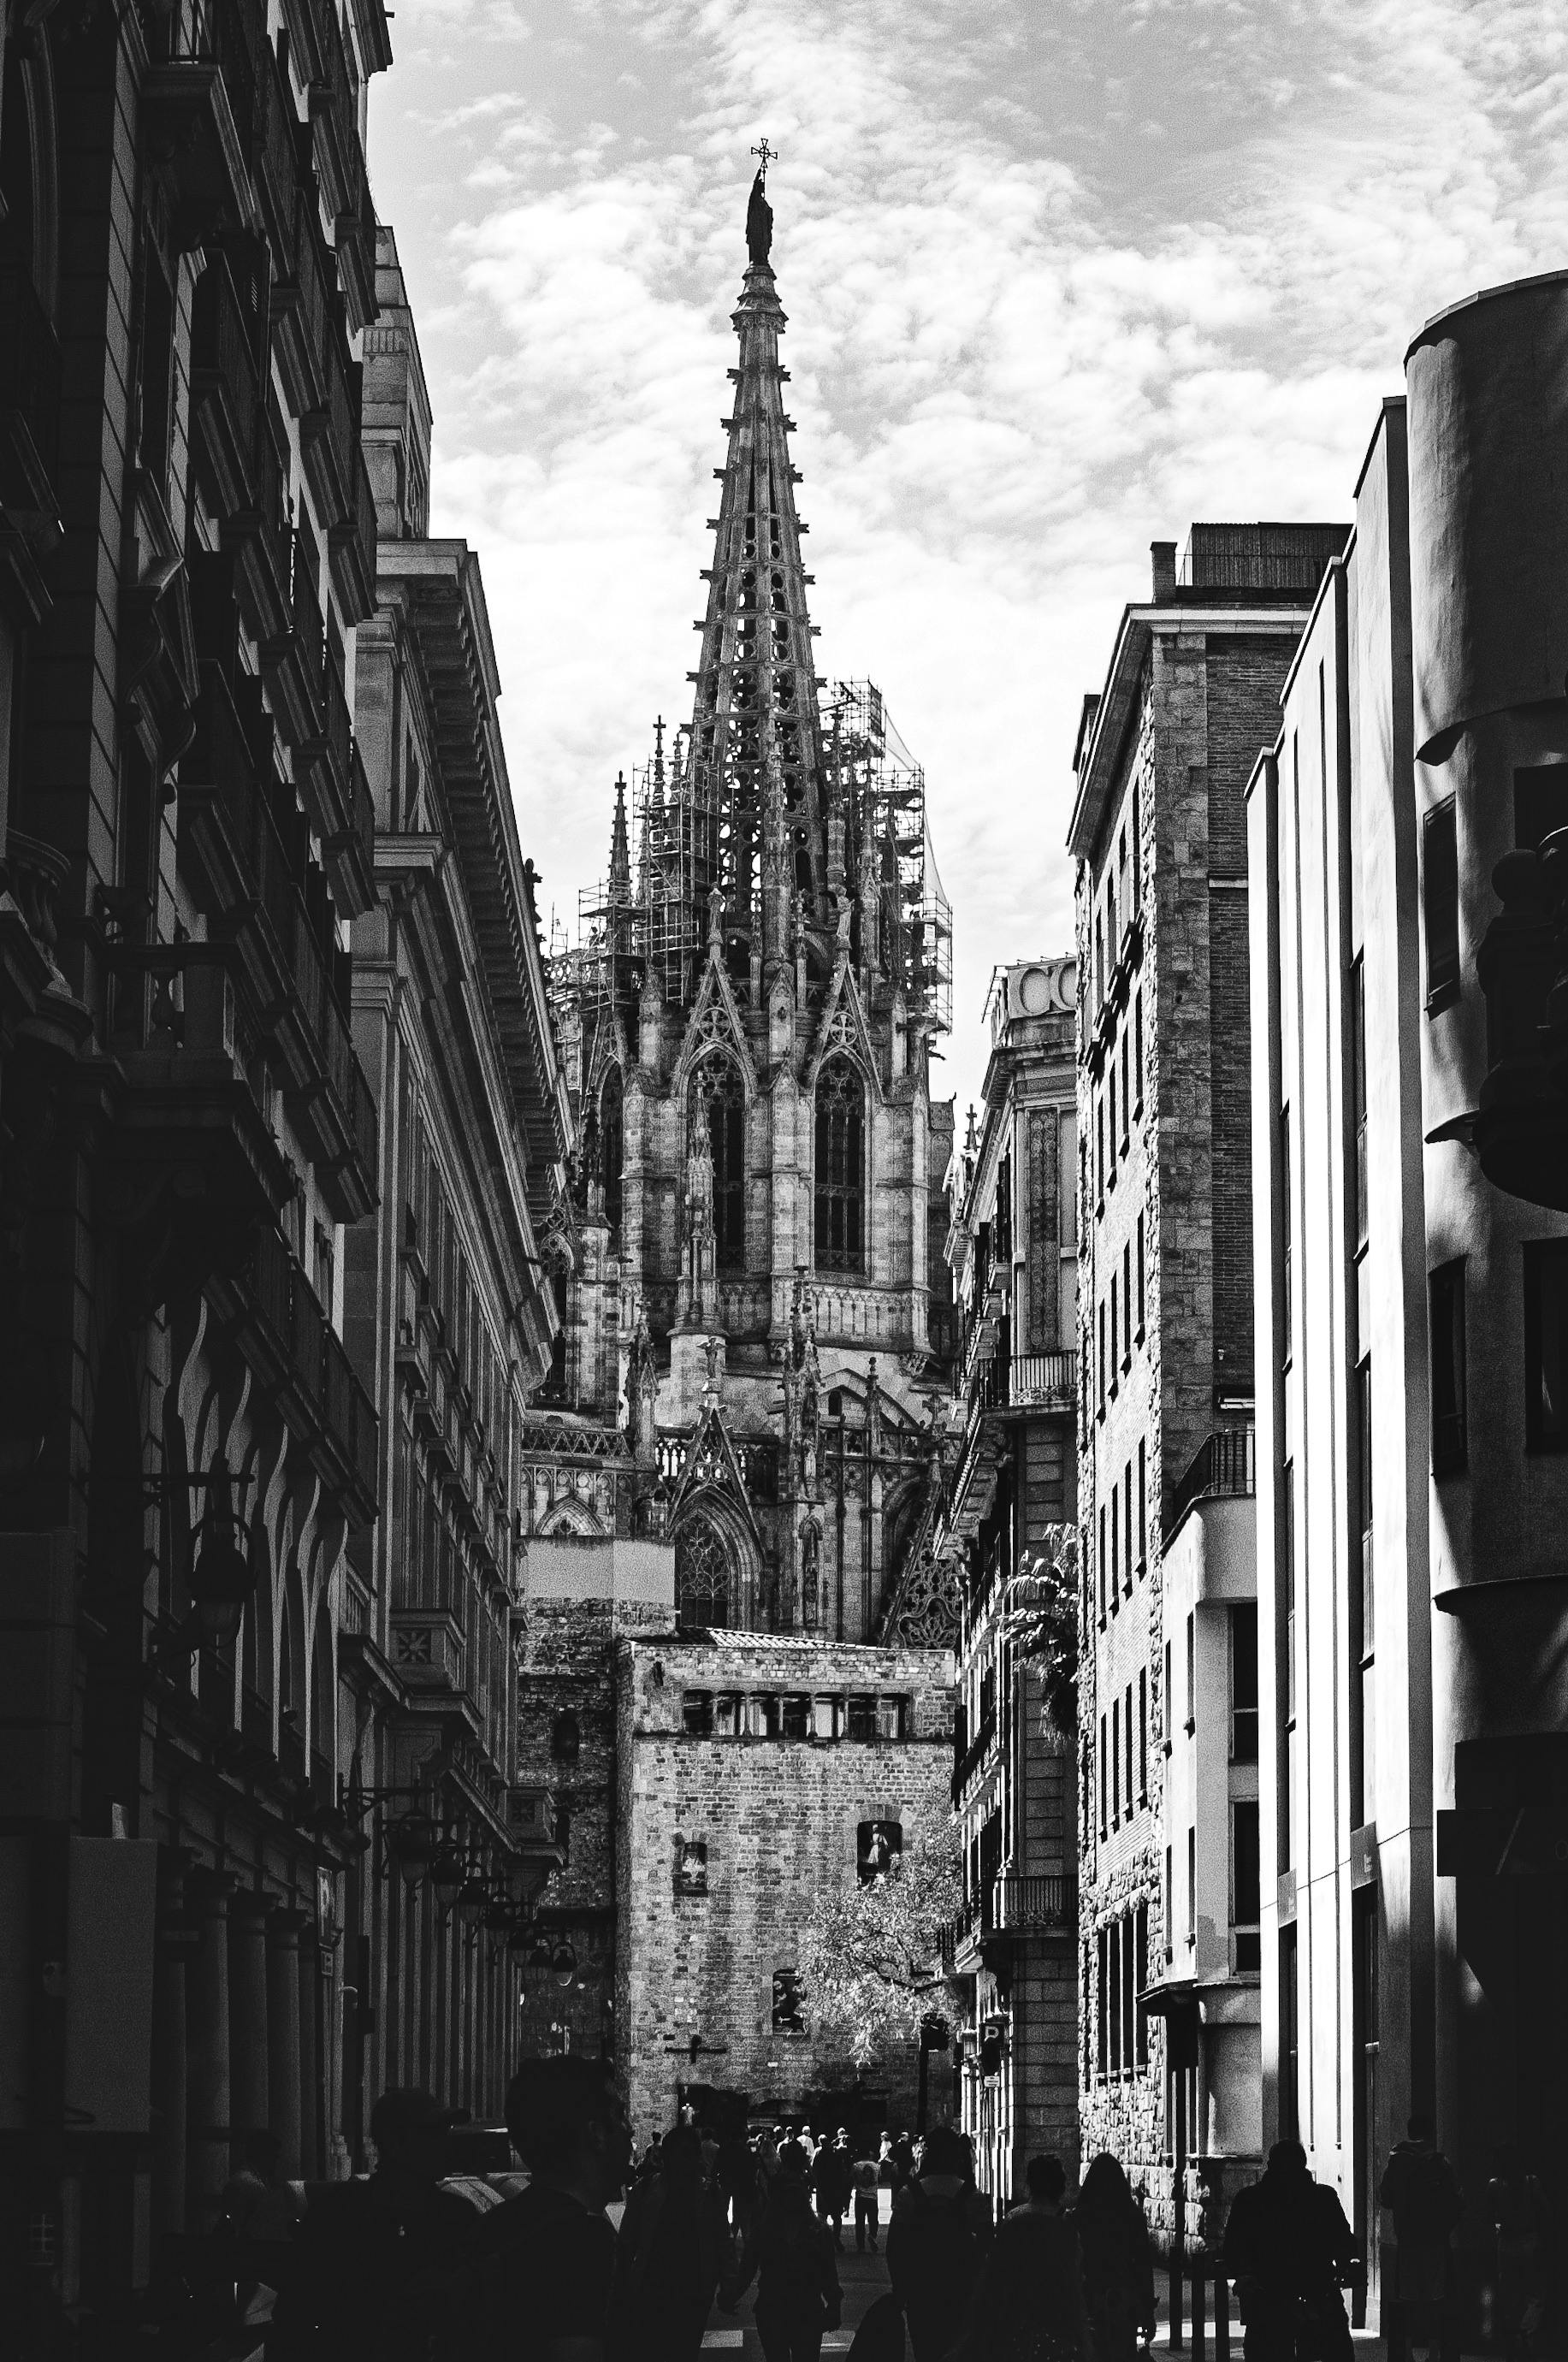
755,992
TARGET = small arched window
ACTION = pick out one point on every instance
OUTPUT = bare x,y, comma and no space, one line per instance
841,1160
611,1148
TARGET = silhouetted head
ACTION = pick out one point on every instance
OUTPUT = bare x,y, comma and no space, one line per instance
1105,2189
1047,2179
946,2151
1287,2161
567,2124
1421,2128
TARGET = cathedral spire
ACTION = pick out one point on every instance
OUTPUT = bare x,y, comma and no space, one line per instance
753,783
619,848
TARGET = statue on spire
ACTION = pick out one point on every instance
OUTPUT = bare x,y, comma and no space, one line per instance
759,219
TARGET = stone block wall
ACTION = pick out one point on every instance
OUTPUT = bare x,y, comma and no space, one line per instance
778,1819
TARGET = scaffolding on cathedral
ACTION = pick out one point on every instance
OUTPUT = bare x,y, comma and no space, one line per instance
648,917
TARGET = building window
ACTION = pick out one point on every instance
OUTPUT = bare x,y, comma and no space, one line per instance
878,1844
1289,2019
1142,1506
1127,1307
788,2017
1143,1734
1102,2014
1127,1734
1287,1220
1447,1291
1142,1961
1140,1279
1137,854
1113,1333
1191,1884
1167,1703
612,1148
841,1182
1104,1787
1116,1763
1102,1562
1546,1345
718,1093
1246,1911
1138,1052
691,1865
1287,1624
1244,1682
1129,1995
1112,1088
1114,1992
697,1713
1112,923
1191,1670
862,1720
1100,1150
566,1736
795,1717
1126,1097
1169,1904
1115,1549
1127,1553
1439,905
1102,1361
702,1577
1099,961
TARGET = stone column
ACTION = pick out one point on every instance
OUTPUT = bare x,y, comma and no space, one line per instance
169,2082
312,2165
248,2091
284,2035
207,2040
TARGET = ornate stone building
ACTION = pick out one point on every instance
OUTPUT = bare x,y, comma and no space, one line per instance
1011,1246
755,1308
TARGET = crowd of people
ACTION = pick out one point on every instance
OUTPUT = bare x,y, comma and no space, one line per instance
406,2264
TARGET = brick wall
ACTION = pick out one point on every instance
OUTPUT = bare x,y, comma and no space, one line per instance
780,1820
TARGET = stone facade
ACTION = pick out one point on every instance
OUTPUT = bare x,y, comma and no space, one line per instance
726,1838
1011,1245
1166,1334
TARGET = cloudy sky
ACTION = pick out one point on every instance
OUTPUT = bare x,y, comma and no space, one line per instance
1061,275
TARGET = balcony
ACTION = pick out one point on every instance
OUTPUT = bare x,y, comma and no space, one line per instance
329,431
351,546
532,1826
224,339
275,136
29,402
340,801
300,1362
334,117
1223,1468
303,304
258,541
248,881
1009,1910
428,1648
293,661
1000,1388
196,1097
188,98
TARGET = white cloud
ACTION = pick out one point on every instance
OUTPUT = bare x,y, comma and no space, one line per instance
1058,281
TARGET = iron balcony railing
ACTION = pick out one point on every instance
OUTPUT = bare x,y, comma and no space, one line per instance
1224,1467
1011,1906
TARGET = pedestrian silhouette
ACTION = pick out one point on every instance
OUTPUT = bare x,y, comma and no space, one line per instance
790,2257
1029,2305
671,2250
376,2264
1422,2191
1286,2243
936,2244
545,2262
1118,2268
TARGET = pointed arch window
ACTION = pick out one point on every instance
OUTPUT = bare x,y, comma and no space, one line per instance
719,1090
612,1147
702,1577
840,1168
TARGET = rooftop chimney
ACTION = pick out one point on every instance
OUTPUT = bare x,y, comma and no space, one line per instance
1162,555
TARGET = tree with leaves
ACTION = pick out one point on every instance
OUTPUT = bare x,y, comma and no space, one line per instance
1041,1624
867,1959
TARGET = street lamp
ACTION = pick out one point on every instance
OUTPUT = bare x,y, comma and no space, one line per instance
448,1872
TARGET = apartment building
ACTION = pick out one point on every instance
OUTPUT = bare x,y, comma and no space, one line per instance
1410,1478
1169,1915
1010,1491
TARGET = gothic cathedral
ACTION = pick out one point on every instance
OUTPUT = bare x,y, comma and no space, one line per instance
757,1319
